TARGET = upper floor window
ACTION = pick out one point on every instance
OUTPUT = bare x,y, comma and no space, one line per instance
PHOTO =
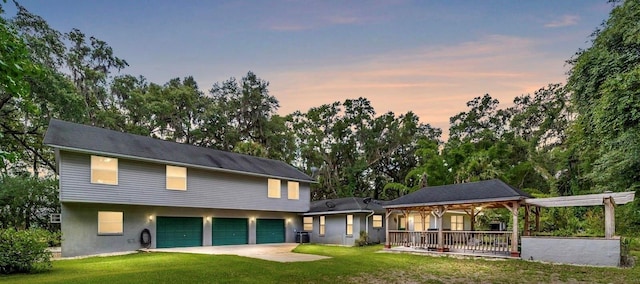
377,221
457,222
349,225
176,178
274,188
322,225
293,190
109,223
104,170
308,223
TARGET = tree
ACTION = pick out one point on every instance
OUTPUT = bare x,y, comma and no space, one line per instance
604,83
26,202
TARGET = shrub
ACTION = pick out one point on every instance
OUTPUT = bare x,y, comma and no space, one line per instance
363,240
24,250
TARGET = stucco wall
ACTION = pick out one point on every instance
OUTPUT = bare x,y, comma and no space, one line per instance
585,251
80,225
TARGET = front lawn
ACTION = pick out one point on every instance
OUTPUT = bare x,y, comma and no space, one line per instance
347,265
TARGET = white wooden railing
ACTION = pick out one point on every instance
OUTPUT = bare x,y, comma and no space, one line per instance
468,241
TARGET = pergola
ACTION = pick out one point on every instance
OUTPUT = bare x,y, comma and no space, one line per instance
467,197
608,199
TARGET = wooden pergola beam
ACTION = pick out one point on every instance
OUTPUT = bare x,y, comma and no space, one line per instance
582,200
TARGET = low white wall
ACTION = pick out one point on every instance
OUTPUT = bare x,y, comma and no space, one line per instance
584,251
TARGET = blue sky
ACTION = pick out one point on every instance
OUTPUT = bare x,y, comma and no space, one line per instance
430,57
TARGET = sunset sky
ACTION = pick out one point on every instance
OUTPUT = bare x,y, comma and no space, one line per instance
429,57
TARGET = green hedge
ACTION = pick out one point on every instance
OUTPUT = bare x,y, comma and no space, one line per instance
24,251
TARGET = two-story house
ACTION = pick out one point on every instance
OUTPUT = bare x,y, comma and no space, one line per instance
114,185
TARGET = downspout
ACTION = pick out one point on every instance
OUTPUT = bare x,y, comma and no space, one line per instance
366,221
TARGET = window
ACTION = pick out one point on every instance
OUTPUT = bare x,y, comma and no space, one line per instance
308,223
293,189
176,178
457,223
274,188
322,225
377,221
401,223
104,170
109,223
349,225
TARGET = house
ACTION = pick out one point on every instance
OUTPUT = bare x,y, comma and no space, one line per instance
340,221
114,186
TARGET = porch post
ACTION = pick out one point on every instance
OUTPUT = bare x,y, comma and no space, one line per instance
526,220
473,218
514,237
386,229
439,212
537,218
609,218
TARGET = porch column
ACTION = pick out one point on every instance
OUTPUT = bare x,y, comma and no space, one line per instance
439,212
526,220
386,229
537,210
514,235
609,218
473,218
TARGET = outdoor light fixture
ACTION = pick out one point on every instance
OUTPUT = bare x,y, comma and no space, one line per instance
208,218
252,219
150,217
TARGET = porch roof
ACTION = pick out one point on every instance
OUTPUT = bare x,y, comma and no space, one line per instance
344,206
488,193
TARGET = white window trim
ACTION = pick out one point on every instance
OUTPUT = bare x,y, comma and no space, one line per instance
121,232
274,186
167,176
98,168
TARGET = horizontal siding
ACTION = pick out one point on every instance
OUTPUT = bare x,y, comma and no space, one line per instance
143,183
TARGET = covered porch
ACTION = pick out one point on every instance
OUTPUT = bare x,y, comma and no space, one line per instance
468,199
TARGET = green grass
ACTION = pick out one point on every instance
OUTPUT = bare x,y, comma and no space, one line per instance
347,265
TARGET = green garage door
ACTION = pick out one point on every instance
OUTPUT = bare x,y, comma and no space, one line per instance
229,231
270,231
178,232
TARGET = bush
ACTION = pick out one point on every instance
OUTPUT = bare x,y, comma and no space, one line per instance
363,240
24,251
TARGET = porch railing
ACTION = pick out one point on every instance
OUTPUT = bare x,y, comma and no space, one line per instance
498,242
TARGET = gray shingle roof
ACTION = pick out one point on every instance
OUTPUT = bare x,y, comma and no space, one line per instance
83,138
461,193
347,204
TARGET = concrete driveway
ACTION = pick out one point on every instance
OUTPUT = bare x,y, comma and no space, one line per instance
272,252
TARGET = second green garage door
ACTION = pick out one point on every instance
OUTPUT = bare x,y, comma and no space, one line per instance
270,231
178,232
229,231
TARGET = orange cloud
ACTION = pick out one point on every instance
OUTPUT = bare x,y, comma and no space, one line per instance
433,82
